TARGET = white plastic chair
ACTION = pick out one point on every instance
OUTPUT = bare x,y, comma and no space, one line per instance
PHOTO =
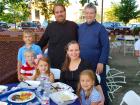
115,75
114,78
129,44
131,98
56,72
138,73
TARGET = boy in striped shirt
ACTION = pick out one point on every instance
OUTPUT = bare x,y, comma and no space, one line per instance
28,69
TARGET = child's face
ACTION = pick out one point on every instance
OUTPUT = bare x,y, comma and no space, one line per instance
27,38
73,51
86,82
29,57
42,66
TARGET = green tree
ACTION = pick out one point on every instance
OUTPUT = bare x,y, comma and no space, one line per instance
138,19
1,8
110,13
17,11
46,7
87,1
83,2
127,10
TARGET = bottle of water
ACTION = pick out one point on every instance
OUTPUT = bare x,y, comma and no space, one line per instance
42,80
45,100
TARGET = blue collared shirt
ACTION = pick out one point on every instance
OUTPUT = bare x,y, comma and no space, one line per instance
94,43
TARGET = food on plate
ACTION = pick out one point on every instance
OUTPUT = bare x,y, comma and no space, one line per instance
61,86
52,90
22,96
65,97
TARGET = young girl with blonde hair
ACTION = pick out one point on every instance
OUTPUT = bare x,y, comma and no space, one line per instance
43,71
87,91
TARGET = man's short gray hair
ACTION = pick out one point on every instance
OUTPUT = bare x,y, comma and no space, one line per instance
91,5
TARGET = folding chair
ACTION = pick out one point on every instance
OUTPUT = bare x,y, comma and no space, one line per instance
56,73
114,78
131,98
138,72
113,42
129,45
115,75
113,87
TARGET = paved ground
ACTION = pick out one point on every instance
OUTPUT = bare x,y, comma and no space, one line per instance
129,65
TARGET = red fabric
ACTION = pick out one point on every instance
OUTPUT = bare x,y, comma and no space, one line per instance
26,68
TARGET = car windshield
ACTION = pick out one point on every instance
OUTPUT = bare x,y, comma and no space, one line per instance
3,25
28,24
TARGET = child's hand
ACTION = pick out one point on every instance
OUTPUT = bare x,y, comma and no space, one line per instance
99,69
25,78
51,78
38,57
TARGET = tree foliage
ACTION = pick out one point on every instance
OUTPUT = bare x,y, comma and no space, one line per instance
127,10
17,10
46,6
1,8
83,2
110,13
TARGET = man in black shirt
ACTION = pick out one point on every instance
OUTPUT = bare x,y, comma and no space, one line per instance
57,35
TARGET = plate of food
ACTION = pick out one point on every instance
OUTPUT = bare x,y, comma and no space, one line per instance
63,97
59,86
21,97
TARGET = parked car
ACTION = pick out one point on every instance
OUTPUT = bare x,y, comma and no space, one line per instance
116,27
28,25
133,26
111,25
37,23
4,26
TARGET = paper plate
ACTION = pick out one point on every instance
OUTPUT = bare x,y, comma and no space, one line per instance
21,97
63,97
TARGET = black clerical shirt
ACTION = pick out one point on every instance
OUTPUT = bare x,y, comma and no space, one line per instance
57,35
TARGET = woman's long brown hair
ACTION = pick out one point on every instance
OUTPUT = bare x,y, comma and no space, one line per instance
37,70
91,74
67,59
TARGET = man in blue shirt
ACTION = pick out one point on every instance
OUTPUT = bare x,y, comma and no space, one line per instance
94,45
